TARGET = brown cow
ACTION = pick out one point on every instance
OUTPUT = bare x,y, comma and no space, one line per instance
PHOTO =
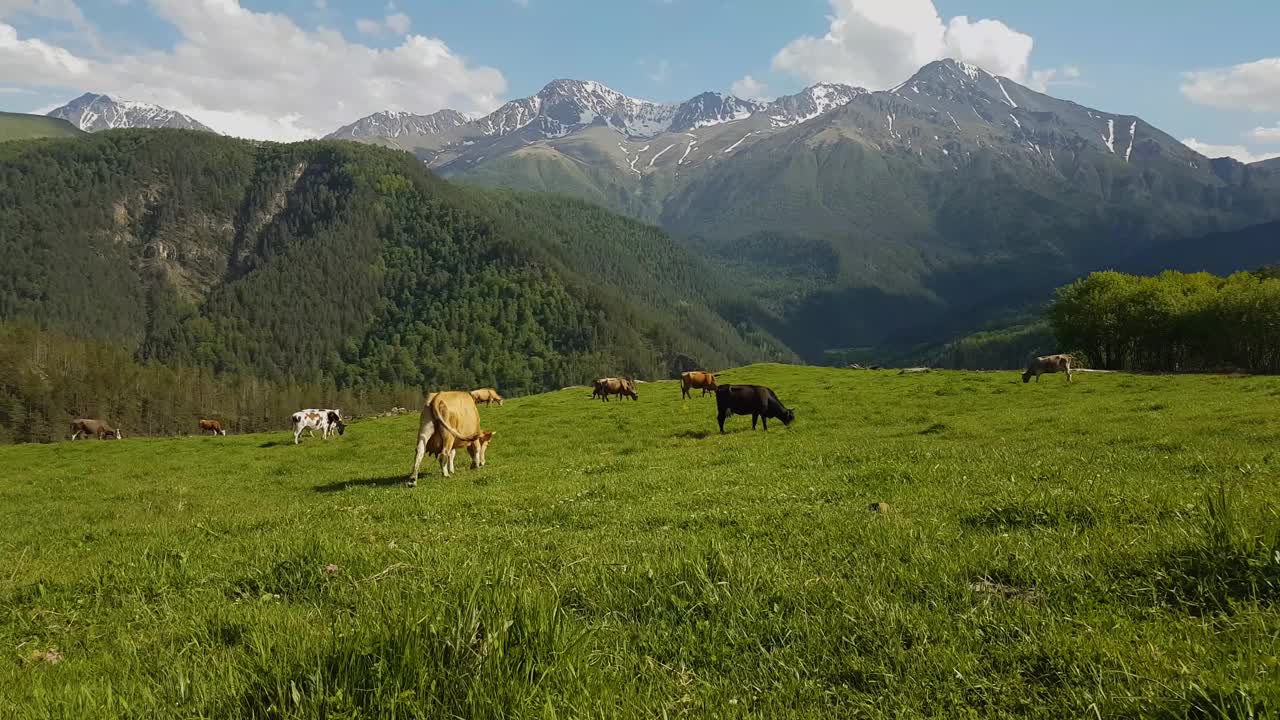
449,420
100,428
1048,364
486,396
604,387
697,379
212,426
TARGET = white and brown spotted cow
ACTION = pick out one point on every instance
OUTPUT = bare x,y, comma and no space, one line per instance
99,428
1048,364
324,420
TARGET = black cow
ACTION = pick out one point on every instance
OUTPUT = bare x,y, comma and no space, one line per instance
757,401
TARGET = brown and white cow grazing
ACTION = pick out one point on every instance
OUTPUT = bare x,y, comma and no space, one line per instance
100,428
449,420
324,420
486,396
1048,364
697,379
604,387
212,426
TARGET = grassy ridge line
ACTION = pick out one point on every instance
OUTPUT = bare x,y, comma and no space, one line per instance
1045,553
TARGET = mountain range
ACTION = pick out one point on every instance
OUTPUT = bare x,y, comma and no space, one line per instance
855,218
92,112
858,217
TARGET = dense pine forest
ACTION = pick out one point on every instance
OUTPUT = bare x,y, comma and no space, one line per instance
342,266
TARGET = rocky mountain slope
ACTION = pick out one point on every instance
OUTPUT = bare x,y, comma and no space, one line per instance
92,112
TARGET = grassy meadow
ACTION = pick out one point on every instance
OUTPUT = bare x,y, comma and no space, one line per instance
1104,549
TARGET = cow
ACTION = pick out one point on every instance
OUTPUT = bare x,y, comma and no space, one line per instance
487,396
212,426
325,420
1048,364
697,379
757,401
604,387
99,428
449,420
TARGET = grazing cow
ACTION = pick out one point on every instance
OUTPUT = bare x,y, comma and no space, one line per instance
757,401
212,426
326,421
486,396
697,379
449,420
604,387
100,428
1048,364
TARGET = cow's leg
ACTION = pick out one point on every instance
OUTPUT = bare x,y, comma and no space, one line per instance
297,433
76,435
417,459
474,451
764,420
453,456
684,392
755,417
446,449
720,418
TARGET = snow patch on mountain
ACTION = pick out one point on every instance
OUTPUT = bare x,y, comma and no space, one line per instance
93,112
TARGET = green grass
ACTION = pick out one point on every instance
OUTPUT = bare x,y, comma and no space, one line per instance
1104,549
21,126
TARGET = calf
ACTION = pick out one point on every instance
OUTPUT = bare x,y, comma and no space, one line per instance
604,387
100,428
697,379
757,401
486,396
1048,364
325,421
212,426
449,420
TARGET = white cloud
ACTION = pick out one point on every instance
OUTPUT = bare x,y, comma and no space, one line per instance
749,87
1239,152
1266,135
877,44
661,72
259,74
1040,80
52,9
1249,86
395,23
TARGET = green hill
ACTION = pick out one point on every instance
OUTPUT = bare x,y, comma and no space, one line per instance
330,260
1104,548
21,126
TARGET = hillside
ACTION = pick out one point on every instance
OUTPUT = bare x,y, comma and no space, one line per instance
1098,549
93,112
351,263
1220,253
20,126
870,218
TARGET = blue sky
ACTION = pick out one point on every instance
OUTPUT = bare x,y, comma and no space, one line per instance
294,68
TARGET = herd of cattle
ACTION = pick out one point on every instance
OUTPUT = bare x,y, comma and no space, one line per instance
450,420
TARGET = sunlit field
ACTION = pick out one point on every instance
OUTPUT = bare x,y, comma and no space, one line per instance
1106,548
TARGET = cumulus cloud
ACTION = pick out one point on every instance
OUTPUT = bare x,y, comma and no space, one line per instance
51,9
1253,86
877,44
749,87
260,75
1239,152
1266,135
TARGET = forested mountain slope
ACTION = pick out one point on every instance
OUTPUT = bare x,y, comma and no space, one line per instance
334,260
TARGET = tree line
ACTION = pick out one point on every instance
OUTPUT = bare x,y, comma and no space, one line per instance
48,379
1172,322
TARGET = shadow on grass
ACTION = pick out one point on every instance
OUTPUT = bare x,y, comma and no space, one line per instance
693,435
388,481
275,443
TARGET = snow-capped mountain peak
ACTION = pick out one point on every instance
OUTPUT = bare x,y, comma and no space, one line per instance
395,123
93,112
811,102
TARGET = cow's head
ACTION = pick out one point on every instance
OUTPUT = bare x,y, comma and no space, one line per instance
788,416
335,419
1026,376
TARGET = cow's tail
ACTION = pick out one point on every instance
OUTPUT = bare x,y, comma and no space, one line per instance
438,417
